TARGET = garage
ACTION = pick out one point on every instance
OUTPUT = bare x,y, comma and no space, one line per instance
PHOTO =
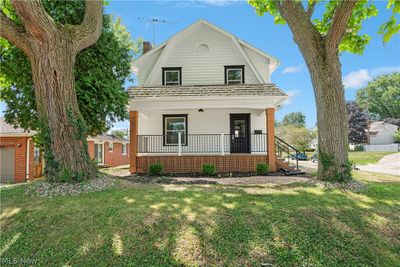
7,163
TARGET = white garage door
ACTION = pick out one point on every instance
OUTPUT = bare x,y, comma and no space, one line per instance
7,164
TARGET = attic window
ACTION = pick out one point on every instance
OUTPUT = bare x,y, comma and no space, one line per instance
202,48
172,76
234,74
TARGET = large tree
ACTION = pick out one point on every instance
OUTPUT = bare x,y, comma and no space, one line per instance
358,123
101,71
381,96
297,119
51,48
320,40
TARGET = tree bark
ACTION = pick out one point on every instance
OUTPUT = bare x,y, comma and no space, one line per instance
322,58
51,49
64,133
332,118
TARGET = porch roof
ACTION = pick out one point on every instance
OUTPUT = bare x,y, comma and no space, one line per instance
193,91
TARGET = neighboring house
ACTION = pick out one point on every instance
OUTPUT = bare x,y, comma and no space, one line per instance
20,159
204,96
107,150
381,133
313,144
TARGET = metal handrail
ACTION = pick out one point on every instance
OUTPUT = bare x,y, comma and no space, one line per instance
281,146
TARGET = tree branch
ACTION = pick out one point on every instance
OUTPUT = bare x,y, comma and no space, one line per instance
304,32
37,23
14,33
311,8
90,30
340,20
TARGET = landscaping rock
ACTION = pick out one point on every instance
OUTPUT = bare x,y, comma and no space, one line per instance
353,186
46,189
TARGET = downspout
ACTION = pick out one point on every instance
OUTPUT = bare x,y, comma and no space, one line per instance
27,158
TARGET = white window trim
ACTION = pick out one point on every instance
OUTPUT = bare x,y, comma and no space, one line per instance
166,130
110,147
241,75
126,149
102,144
172,83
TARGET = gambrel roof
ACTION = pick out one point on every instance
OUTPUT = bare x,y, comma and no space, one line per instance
148,61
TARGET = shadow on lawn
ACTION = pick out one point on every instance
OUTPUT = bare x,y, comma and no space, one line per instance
211,225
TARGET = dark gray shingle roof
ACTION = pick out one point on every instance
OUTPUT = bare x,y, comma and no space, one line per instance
268,89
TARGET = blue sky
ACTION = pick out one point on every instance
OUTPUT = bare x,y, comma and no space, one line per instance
240,19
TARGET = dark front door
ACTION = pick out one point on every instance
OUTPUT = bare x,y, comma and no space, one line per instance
240,133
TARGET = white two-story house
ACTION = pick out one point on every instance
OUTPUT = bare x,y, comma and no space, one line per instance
204,96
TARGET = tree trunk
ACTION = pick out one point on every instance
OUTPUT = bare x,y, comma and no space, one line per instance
332,118
63,130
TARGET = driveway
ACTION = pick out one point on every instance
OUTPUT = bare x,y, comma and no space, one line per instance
389,164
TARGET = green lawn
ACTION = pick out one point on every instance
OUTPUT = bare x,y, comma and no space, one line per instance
363,158
161,225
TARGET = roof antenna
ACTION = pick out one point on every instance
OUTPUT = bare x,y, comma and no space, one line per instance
154,22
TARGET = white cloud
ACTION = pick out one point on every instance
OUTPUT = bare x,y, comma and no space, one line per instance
218,2
291,94
357,79
360,78
293,69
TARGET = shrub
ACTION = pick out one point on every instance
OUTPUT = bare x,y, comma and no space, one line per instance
156,169
262,168
209,169
359,148
396,137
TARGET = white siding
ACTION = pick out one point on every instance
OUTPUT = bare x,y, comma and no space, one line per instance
211,121
384,136
200,68
259,62
147,65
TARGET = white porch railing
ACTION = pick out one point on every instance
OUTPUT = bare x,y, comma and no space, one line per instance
201,144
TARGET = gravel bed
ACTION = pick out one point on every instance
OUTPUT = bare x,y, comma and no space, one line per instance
46,189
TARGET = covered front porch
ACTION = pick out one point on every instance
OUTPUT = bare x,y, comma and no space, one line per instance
232,132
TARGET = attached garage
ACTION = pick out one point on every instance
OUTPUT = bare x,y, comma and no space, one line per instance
16,154
7,163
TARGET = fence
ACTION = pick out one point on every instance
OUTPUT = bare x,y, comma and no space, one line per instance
385,148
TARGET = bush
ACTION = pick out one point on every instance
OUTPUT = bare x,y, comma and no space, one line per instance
209,169
156,169
396,137
359,148
262,168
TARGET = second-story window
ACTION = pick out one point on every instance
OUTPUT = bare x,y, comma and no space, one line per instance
172,76
234,74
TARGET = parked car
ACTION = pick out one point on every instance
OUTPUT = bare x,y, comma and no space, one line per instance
314,157
299,156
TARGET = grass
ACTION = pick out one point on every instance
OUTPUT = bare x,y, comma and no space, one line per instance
163,225
363,158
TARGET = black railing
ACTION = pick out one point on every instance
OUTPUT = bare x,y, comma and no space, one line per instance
202,143
285,151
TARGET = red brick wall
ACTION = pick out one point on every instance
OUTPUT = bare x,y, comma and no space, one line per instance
19,143
114,158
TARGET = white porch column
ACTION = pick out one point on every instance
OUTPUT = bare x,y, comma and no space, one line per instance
222,145
179,143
